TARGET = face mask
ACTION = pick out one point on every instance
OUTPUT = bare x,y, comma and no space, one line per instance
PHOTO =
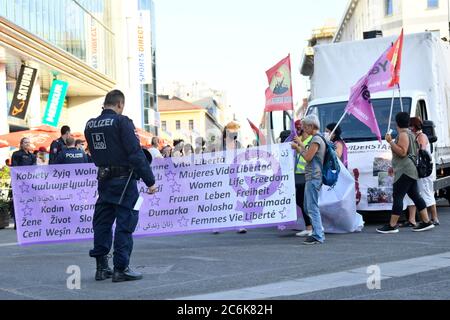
327,136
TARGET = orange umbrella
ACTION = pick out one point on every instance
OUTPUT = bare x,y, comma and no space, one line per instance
41,136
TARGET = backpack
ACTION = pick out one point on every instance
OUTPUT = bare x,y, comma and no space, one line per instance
423,162
331,167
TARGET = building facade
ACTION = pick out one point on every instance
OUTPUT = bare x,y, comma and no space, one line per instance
184,120
200,93
390,16
93,46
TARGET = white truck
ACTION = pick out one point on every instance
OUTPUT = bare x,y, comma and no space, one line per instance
425,85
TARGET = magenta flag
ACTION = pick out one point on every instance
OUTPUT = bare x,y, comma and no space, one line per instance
377,79
279,93
361,107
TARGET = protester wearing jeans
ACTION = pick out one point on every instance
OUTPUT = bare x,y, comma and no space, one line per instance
314,155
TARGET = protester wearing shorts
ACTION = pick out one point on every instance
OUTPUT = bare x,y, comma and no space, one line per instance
426,185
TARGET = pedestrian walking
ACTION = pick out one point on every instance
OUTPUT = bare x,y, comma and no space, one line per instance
404,151
116,151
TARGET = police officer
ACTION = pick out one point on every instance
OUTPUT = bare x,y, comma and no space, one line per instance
71,155
24,157
20,158
59,145
116,151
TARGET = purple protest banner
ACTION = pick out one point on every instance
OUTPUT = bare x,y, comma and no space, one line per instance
250,188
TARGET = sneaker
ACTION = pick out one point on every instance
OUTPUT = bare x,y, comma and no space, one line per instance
407,225
306,233
436,223
311,241
387,229
424,226
242,231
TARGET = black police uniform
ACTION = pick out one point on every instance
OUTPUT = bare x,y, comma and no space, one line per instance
55,148
20,158
116,150
23,158
71,156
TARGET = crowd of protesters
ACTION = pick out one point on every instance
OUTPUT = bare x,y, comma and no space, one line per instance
310,146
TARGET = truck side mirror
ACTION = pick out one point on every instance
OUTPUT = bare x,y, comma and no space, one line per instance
428,129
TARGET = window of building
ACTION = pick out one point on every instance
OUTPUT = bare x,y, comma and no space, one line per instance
178,125
191,124
389,7
433,4
164,125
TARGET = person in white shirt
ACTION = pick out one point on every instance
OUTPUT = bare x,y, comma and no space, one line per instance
154,148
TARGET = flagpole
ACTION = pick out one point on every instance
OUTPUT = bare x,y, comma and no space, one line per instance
339,122
400,94
392,109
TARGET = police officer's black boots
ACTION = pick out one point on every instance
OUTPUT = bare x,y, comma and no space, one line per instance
103,270
125,275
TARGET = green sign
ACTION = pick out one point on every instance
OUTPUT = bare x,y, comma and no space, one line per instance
55,103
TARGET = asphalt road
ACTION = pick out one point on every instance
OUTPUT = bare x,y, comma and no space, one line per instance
263,264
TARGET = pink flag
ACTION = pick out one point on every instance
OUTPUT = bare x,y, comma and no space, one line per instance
361,107
279,93
379,78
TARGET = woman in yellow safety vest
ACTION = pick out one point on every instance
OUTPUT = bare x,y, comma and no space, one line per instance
300,180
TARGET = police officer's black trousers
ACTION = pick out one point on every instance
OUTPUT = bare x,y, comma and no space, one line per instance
126,222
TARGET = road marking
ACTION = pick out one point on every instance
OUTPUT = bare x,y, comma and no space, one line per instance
201,259
8,244
329,281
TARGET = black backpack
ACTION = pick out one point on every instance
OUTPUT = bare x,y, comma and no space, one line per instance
423,162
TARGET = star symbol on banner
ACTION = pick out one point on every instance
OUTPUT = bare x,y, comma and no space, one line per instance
183,222
283,213
24,188
281,187
171,176
175,187
83,195
154,201
27,211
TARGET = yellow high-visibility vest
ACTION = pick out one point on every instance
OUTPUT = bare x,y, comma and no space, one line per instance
301,162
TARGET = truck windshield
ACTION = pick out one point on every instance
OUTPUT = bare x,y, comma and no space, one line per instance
354,130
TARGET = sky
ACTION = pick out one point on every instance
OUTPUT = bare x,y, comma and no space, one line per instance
230,44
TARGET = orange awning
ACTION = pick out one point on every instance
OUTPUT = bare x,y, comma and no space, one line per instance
144,137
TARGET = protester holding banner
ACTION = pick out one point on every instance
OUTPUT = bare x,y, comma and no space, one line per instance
230,141
404,151
300,180
58,145
314,155
116,151
42,157
426,185
341,147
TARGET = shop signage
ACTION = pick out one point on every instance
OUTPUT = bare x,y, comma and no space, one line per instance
144,48
22,94
55,103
